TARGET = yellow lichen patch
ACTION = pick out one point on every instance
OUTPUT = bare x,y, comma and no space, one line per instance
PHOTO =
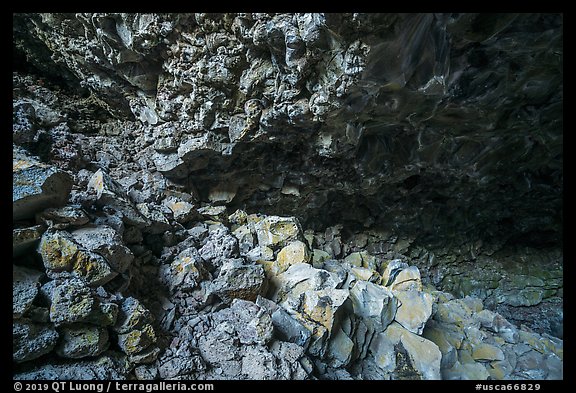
18,165
276,231
321,314
92,267
184,264
58,253
549,344
137,340
532,340
295,252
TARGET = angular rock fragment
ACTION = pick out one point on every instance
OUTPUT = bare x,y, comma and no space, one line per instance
261,255
61,253
73,301
170,165
182,211
407,279
290,358
361,259
238,280
136,335
245,239
31,340
375,304
391,269
137,340
132,315
25,286
340,349
318,258
496,323
312,297
414,309
447,345
63,217
105,241
146,356
155,216
295,252
186,271
110,193
467,371
487,352
36,186
219,246
252,324
79,340
424,355
286,327
24,239
104,186
276,232
214,213
105,367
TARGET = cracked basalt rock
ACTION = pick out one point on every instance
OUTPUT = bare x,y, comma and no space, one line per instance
24,239
287,196
72,300
36,185
61,253
31,340
25,288
82,341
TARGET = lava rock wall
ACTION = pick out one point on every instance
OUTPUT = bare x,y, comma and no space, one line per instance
287,196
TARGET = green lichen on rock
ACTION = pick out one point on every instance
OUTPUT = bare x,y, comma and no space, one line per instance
277,232
61,253
137,340
132,315
294,252
74,301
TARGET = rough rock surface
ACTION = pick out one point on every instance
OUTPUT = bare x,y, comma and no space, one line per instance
30,341
287,196
36,186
